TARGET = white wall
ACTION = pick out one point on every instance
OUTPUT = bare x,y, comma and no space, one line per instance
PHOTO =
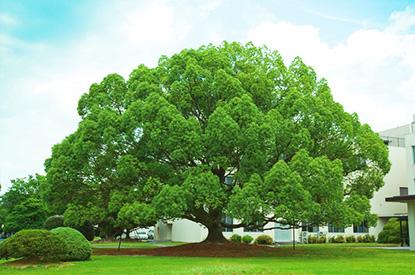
184,230
397,177
162,231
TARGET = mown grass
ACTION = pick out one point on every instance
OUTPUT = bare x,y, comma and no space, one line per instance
307,259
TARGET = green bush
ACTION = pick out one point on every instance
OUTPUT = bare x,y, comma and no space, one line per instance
263,239
339,239
312,239
53,222
78,247
350,239
36,244
316,239
247,239
368,238
391,232
235,238
332,239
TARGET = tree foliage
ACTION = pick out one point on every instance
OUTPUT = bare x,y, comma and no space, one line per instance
164,143
22,206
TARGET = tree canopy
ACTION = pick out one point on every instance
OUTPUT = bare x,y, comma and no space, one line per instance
22,207
218,130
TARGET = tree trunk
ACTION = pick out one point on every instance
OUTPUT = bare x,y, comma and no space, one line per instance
215,234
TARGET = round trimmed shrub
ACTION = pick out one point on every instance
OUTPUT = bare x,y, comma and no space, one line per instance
53,222
235,238
247,239
36,244
263,239
77,246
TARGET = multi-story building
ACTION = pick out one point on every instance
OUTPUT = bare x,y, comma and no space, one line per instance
401,143
406,198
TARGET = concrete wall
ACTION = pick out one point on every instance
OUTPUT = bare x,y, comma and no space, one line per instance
397,177
162,231
410,141
185,230
240,231
400,131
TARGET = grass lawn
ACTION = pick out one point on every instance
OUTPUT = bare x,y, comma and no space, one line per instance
307,259
133,244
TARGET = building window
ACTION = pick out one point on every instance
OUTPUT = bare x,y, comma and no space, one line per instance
361,228
413,153
227,220
335,229
256,229
228,180
310,228
403,191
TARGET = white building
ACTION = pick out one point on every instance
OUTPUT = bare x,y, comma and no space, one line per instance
396,182
407,199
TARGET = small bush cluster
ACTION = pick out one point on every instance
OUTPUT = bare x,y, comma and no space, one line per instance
60,244
235,238
391,232
366,239
316,239
77,246
53,222
38,244
264,239
350,239
247,239
337,239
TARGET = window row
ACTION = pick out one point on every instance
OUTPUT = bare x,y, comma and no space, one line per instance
361,228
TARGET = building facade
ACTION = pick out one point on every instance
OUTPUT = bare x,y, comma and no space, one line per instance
396,182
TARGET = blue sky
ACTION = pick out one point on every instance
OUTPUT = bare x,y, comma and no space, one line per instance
51,51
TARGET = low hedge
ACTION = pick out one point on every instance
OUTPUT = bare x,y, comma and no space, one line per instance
316,239
366,239
337,239
263,239
77,246
38,244
247,239
235,238
350,239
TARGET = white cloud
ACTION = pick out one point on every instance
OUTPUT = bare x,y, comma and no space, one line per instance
371,73
209,6
402,21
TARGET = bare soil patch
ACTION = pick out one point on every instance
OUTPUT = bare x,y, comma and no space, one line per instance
203,250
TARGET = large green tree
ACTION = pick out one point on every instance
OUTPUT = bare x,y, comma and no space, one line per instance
214,131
